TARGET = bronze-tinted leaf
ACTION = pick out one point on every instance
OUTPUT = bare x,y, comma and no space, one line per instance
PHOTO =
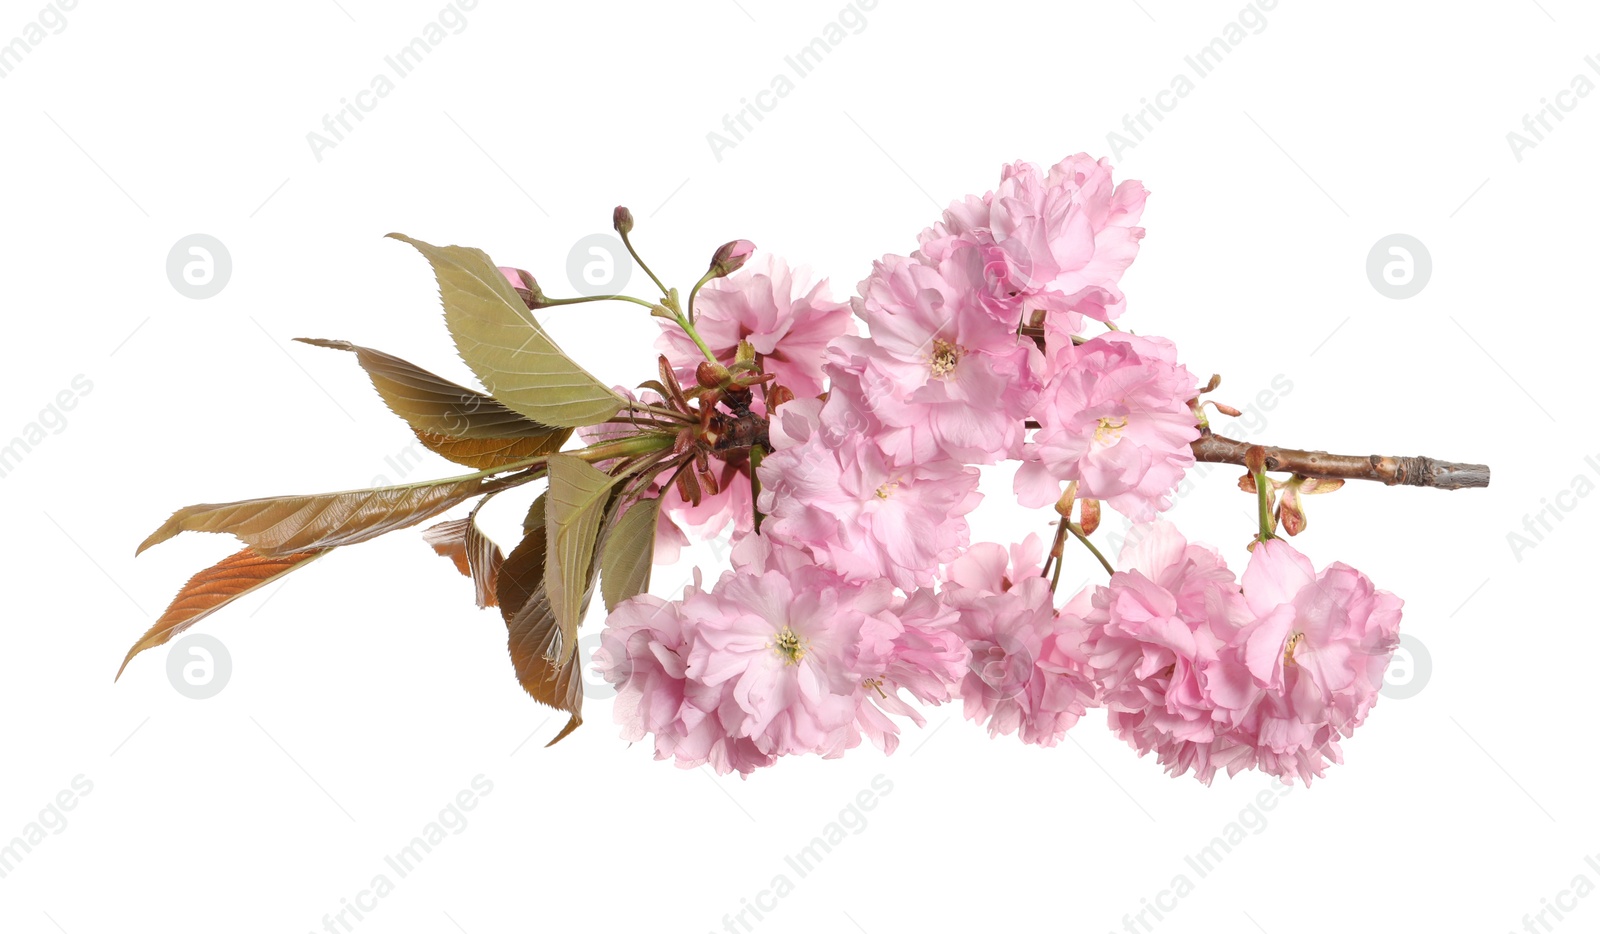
577,501
433,404
523,571
533,636
452,421
507,348
629,553
536,639
474,553
279,525
487,453
214,588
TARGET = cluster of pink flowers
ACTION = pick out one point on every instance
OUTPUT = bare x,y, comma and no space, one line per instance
1210,676
780,657
862,589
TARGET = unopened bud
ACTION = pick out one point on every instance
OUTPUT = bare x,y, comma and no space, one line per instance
1255,459
1226,409
622,220
711,375
1290,512
777,396
1089,515
527,288
730,257
1064,504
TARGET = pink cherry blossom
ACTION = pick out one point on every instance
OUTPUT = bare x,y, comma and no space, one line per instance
1115,417
1319,647
991,568
943,372
644,652
781,652
838,497
1159,642
1028,674
785,316
780,657
1065,238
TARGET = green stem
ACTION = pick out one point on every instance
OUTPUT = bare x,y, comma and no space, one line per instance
638,259
1263,508
710,274
688,328
596,298
623,447
1077,532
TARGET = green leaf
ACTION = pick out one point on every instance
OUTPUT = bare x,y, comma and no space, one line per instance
577,502
278,525
509,351
629,552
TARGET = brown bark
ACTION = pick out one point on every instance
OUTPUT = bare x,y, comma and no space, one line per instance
1393,471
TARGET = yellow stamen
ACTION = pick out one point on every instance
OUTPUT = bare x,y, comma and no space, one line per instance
945,357
790,646
1108,431
1294,642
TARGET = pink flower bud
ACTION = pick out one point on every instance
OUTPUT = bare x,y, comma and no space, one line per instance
730,257
526,286
622,220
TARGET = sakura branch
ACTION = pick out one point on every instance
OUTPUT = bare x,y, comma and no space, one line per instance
1392,471
838,447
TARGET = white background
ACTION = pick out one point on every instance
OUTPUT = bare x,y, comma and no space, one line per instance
366,691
